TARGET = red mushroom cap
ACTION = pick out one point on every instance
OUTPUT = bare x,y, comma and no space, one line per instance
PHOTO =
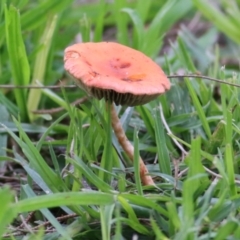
115,72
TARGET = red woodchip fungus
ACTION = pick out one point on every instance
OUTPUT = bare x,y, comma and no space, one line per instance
120,75
115,72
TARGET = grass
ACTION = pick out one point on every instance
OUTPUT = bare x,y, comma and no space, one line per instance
64,175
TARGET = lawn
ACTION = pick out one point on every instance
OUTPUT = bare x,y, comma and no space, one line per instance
63,173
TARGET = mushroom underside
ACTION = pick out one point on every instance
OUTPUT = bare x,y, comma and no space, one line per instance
128,99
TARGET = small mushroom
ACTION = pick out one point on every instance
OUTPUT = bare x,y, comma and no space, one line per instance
120,75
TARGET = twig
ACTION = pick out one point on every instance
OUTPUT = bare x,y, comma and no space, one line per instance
170,132
62,218
204,77
24,222
176,169
28,218
35,229
218,175
182,172
20,233
59,109
9,86
11,179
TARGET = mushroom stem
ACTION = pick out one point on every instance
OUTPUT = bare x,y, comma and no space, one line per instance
127,146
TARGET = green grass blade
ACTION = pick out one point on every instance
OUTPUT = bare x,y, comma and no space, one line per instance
146,116
157,230
40,65
89,174
18,57
121,22
138,26
11,107
106,161
138,228
33,19
221,20
8,211
229,156
143,201
185,57
167,15
47,131
195,165
226,230
36,159
162,151
230,170
137,164
98,32
3,136
132,216
55,97
143,9
106,213
118,223
27,128
85,28
188,212
46,213
198,107
174,220
64,199
217,138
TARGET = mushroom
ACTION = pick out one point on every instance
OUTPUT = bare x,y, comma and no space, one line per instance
120,75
